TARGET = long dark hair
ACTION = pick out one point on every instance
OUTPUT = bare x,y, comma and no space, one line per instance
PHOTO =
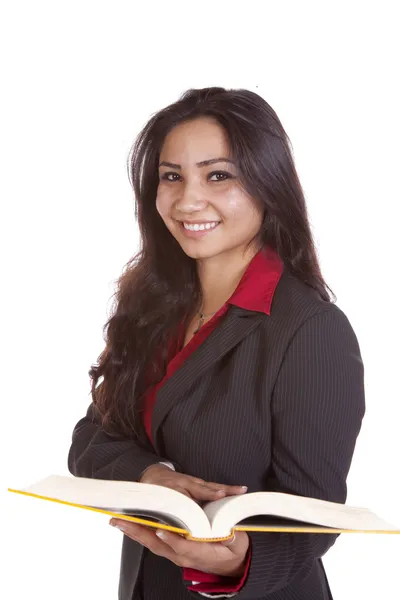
159,288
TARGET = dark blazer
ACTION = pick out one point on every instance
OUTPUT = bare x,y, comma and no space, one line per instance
274,402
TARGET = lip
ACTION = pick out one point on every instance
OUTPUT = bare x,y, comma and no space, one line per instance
197,234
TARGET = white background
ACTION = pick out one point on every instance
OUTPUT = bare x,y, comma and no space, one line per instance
79,80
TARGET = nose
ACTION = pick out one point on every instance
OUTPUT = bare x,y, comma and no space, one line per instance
191,198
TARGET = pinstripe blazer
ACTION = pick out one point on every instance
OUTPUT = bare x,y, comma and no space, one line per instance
274,402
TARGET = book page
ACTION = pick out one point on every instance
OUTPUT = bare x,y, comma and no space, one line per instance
150,515
125,497
224,514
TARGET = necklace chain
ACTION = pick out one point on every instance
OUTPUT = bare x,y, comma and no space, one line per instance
201,320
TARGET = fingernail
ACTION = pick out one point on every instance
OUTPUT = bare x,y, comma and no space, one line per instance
120,527
161,534
244,487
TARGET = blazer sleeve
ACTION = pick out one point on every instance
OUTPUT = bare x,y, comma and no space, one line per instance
317,410
95,454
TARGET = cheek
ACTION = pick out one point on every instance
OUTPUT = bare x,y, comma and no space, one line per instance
240,208
163,203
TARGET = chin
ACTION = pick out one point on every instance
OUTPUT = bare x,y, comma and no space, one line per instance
200,249
200,253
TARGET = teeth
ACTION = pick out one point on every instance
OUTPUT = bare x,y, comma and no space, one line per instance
202,227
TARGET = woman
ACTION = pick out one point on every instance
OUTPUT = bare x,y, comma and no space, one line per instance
226,362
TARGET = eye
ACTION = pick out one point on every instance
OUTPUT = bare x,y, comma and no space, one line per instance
170,176
220,176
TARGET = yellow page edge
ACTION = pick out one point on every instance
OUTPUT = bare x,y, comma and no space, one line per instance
186,533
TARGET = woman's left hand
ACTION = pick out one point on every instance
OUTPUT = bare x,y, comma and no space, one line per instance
226,558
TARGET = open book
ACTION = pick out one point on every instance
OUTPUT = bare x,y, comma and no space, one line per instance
164,508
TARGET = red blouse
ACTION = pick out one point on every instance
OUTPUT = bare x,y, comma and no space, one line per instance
255,292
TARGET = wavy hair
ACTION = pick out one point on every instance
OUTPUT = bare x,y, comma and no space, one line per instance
159,289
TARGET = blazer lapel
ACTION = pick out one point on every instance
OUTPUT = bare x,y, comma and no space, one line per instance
237,324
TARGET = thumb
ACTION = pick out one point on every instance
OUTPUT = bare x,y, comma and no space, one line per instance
230,541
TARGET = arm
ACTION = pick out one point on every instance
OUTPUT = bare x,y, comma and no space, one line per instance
96,454
317,409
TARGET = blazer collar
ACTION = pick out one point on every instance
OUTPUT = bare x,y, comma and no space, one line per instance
257,287
237,324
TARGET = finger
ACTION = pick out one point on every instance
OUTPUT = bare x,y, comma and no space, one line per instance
230,541
238,544
191,552
145,536
200,492
185,550
131,529
231,489
154,542
195,479
228,489
181,490
204,556
235,490
208,492
205,484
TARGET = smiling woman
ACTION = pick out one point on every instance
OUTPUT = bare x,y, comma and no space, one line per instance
227,366
200,196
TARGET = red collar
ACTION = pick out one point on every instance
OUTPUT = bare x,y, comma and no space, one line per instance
257,286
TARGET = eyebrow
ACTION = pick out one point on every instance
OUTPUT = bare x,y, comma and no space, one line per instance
203,163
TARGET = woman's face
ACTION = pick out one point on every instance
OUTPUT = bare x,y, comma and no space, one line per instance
199,197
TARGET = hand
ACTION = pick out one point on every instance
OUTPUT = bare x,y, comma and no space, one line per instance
221,558
193,487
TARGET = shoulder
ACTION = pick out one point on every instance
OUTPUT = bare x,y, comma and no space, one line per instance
297,307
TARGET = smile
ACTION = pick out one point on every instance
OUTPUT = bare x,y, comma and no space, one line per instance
200,226
198,230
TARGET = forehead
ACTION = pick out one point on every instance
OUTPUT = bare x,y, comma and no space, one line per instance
196,140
